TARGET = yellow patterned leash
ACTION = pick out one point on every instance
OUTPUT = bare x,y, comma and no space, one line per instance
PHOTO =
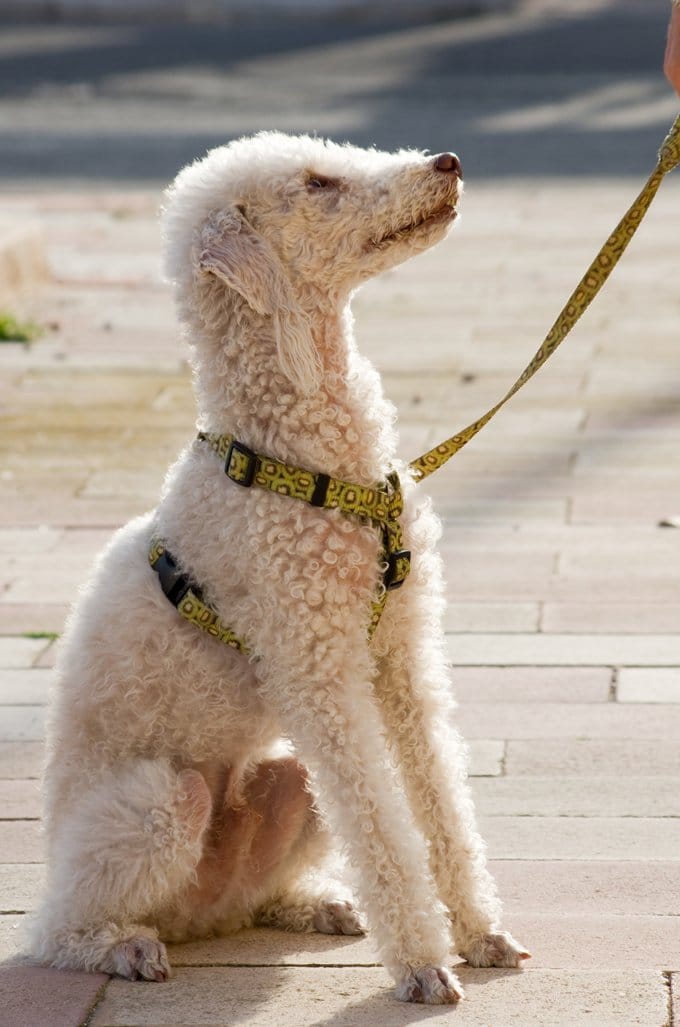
581,298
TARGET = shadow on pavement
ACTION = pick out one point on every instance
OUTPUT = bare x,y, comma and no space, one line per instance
581,94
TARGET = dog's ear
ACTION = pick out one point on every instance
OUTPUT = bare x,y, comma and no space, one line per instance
241,258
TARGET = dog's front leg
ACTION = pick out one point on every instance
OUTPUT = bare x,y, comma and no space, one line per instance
414,690
322,691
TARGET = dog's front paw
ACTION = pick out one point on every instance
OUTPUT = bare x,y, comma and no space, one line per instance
338,918
431,985
140,957
499,949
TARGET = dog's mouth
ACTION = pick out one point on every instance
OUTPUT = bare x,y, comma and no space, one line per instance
440,216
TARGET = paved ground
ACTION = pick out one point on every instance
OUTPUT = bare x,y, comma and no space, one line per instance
564,599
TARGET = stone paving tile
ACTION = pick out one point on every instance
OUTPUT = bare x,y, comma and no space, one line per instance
613,618
34,540
584,887
531,684
24,686
512,511
71,510
12,941
60,580
592,757
576,796
641,506
569,650
640,685
566,720
504,560
19,799
21,842
22,723
600,588
490,617
18,618
82,540
20,652
142,485
641,560
44,997
565,942
637,454
21,759
587,838
48,656
486,757
20,886
341,997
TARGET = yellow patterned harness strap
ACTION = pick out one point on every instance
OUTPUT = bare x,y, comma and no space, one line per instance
186,597
380,505
582,296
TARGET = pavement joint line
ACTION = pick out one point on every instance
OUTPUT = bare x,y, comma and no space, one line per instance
98,999
613,685
278,966
668,979
504,759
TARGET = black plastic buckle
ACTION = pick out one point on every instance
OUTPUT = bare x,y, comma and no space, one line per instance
320,490
238,447
173,582
390,580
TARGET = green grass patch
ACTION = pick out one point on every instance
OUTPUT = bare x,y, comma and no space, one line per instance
12,330
50,635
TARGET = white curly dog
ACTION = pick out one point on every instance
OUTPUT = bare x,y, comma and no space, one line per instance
191,789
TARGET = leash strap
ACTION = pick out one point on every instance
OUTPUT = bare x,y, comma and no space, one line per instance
581,298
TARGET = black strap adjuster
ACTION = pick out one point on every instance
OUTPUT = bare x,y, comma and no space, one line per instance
244,475
320,490
398,566
174,583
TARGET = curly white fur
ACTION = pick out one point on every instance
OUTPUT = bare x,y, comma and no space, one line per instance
173,803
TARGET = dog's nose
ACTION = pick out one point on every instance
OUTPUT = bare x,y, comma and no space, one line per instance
449,162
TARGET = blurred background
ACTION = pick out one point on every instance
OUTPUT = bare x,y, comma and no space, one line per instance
98,91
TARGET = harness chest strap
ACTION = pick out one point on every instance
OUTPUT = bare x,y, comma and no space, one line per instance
382,505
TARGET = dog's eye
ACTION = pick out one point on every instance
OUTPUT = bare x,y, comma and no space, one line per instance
319,182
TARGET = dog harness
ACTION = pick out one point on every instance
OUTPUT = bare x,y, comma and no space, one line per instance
382,504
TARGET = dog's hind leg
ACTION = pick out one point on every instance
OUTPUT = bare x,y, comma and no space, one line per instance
294,842
122,849
263,859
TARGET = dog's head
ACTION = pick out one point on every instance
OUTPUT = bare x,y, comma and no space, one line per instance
291,224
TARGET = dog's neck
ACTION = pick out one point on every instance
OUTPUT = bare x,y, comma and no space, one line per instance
345,428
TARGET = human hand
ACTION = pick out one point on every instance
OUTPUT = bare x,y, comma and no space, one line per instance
671,63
